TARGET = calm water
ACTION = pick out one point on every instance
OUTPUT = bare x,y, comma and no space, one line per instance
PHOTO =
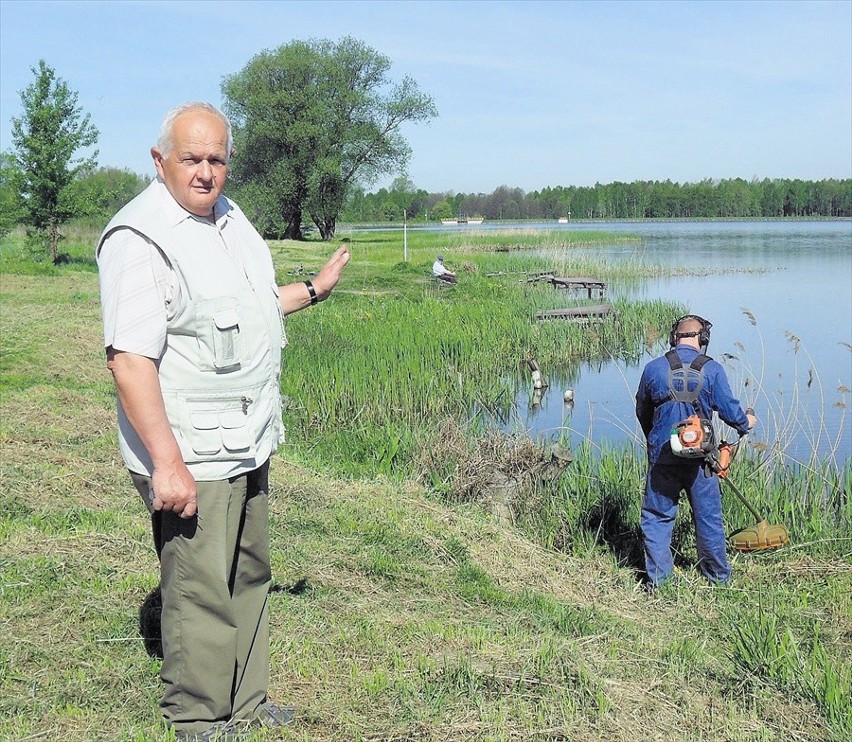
795,279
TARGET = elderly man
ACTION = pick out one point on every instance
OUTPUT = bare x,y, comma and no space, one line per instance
441,272
681,383
193,330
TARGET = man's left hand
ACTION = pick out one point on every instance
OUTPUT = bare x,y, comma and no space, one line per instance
325,281
295,296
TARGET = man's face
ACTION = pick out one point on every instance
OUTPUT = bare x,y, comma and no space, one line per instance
196,169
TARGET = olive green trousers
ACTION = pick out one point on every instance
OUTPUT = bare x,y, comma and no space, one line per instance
215,577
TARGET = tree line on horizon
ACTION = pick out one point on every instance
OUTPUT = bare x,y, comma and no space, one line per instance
315,123
99,193
708,199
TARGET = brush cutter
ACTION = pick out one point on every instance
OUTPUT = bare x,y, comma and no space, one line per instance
762,535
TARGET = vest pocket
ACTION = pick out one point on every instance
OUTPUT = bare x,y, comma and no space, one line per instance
206,440
235,437
225,339
218,429
218,334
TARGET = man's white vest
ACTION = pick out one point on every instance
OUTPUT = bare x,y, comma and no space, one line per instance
220,369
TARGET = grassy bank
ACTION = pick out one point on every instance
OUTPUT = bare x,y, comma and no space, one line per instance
404,609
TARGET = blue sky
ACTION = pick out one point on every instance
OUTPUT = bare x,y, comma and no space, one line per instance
530,94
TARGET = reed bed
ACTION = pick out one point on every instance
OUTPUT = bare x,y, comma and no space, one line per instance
403,363
518,251
786,417
526,240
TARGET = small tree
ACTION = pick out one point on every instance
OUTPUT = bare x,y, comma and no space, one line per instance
46,137
442,210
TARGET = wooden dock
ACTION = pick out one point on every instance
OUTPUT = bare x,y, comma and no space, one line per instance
540,276
592,286
582,315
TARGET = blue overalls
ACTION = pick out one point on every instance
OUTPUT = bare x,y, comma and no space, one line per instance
668,474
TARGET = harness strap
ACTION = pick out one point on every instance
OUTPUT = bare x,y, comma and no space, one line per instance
677,374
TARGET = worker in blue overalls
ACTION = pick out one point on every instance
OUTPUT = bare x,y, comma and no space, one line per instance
682,383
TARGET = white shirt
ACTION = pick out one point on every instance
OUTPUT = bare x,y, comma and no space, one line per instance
139,290
438,268
137,293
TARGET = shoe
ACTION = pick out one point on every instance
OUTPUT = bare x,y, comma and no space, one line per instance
220,732
271,715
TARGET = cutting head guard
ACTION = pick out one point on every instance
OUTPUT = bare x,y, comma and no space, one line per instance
702,334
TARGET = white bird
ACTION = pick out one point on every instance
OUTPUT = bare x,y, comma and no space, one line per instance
568,396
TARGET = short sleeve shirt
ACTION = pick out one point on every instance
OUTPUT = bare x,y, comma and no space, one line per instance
140,292
138,288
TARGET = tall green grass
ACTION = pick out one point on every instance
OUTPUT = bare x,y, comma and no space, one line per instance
387,361
768,652
395,352
594,507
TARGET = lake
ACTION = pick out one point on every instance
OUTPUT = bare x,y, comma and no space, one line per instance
779,295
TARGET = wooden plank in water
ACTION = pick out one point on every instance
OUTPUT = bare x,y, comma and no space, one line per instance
589,285
581,314
570,281
540,276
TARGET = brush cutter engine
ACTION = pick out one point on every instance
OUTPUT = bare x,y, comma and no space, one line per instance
693,438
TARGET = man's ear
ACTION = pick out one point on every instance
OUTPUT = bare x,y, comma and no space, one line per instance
157,156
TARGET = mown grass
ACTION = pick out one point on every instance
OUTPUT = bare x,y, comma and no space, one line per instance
405,610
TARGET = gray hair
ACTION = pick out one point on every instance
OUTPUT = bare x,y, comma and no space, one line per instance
165,142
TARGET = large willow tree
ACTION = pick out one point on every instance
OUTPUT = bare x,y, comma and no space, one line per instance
310,119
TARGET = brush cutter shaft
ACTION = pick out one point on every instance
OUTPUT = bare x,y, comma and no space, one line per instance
760,536
742,498
719,461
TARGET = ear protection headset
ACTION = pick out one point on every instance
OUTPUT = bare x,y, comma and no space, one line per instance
703,334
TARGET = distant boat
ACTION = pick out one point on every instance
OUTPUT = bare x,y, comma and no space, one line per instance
562,220
463,220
